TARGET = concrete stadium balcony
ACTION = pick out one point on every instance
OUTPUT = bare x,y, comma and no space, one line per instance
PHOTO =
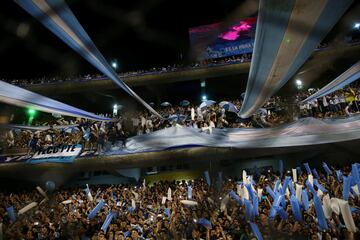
143,79
197,158
321,58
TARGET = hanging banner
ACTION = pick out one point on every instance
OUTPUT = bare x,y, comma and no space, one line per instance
56,154
287,32
59,19
20,97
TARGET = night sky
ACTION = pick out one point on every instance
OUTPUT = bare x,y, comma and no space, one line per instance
141,35
138,34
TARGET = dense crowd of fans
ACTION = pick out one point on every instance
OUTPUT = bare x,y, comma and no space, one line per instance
325,204
98,136
171,210
344,102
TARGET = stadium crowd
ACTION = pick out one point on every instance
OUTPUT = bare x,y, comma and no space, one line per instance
343,102
155,70
197,209
98,136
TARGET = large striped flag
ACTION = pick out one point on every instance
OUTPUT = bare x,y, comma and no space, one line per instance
287,33
58,18
350,75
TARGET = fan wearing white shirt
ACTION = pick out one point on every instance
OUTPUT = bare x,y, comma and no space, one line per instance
342,101
337,103
325,104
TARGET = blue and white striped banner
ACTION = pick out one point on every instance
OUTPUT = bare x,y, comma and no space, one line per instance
59,19
287,32
349,76
20,97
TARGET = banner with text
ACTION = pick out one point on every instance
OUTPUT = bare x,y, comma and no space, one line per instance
56,154
217,41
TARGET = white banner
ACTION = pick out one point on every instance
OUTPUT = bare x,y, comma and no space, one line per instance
57,154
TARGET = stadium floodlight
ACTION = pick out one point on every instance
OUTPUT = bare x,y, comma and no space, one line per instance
31,112
115,110
114,65
299,83
357,26
204,97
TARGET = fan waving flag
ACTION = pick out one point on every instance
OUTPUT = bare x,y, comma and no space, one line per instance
256,231
88,193
58,18
11,213
205,222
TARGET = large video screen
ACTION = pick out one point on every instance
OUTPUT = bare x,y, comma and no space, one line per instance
209,41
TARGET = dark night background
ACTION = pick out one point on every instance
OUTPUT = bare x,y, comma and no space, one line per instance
141,35
138,34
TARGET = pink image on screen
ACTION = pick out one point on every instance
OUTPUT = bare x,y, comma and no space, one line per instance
234,32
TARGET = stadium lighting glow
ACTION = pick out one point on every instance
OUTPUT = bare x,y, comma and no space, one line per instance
114,65
298,83
204,97
31,112
357,26
115,110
